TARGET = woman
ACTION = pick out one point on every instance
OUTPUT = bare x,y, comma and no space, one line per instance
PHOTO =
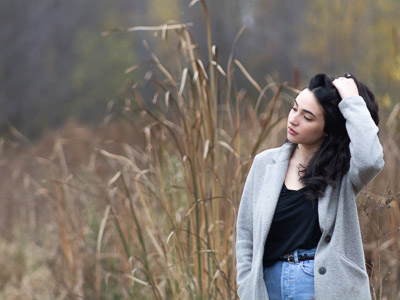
298,235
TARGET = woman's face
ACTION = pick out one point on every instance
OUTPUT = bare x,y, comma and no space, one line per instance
306,121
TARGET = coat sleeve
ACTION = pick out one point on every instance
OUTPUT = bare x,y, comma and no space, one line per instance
244,228
365,149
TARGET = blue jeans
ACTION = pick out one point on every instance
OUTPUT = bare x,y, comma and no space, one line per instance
285,280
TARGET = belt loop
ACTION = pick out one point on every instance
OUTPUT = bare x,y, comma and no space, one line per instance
296,256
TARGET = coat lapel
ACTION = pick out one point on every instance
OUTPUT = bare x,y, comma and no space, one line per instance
275,173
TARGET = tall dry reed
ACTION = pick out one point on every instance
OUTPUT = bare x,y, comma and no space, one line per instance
183,186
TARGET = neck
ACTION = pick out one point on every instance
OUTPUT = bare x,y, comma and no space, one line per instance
304,153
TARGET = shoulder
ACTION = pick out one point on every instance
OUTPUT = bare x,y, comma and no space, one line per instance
274,154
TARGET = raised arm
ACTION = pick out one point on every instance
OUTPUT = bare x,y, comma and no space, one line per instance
365,149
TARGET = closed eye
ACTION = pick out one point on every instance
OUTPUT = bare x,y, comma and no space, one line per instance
304,111
305,117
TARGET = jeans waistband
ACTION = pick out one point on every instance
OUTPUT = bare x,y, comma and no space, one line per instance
299,255
308,252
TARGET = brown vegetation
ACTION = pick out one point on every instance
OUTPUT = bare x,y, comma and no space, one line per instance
145,207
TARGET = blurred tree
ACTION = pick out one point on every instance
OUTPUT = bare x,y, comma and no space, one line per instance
54,62
382,41
35,59
39,57
98,76
160,11
334,43
271,43
355,36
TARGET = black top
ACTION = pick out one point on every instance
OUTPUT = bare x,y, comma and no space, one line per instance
294,226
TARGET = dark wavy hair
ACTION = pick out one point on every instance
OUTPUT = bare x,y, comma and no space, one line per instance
332,160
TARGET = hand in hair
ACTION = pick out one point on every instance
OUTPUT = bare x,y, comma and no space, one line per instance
346,87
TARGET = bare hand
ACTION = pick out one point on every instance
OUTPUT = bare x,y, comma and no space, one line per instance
346,87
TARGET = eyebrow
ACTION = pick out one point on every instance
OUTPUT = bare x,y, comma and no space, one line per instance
305,110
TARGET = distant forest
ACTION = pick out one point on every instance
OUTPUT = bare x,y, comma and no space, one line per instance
55,64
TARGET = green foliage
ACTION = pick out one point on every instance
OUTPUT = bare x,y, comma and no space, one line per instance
353,36
99,76
160,11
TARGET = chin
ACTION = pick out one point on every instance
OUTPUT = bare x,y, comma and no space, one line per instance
291,139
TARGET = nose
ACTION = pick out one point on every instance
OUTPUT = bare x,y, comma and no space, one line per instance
293,119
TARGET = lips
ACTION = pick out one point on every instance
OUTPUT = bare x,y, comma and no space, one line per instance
291,131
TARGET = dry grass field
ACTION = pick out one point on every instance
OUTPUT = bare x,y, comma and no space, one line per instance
145,207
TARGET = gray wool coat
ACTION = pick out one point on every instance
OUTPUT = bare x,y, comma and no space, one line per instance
339,266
